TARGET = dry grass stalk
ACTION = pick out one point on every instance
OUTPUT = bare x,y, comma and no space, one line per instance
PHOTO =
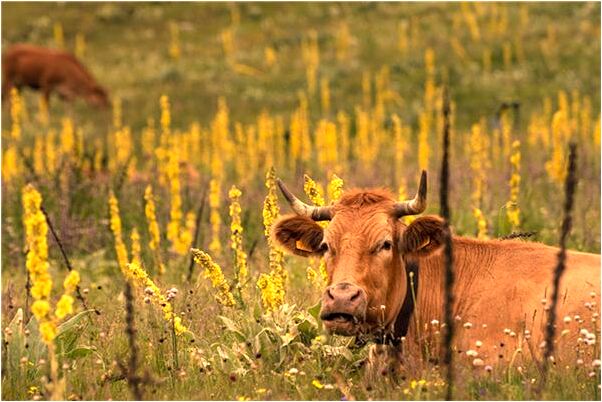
448,252
570,185
134,381
64,254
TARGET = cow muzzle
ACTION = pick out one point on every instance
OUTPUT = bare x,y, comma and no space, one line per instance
343,308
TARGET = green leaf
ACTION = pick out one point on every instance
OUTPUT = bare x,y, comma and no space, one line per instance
69,332
314,311
232,327
80,351
15,342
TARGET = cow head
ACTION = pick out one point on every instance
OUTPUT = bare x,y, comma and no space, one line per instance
365,247
97,96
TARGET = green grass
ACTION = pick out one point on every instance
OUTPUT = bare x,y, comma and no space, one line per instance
252,355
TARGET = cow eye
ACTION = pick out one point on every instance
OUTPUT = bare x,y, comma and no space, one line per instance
324,247
387,245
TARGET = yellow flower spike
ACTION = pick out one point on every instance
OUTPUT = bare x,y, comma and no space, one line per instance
165,114
478,164
48,331
272,285
556,166
43,116
236,230
429,61
115,224
300,139
36,230
154,242
117,113
51,153
64,306
10,163
58,34
174,46
140,278
151,217
175,212
187,233
512,209
270,57
313,191
136,248
80,45
271,211
40,309
343,41
16,113
214,273
424,149
71,282
67,137
335,188
311,57
481,223
214,217
326,144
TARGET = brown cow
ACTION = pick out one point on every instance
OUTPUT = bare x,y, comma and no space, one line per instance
49,70
372,259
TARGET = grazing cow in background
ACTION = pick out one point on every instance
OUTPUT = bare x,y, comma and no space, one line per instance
48,71
386,278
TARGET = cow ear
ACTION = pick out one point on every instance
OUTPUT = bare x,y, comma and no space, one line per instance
423,236
299,235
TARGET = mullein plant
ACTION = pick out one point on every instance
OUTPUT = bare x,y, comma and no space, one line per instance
311,57
300,145
154,242
139,277
115,225
215,246
161,151
36,230
174,44
134,272
326,145
236,240
478,161
16,113
424,149
214,273
316,271
272,284
59,36
136,247
80,45
179,235
556,166
512,208
43,115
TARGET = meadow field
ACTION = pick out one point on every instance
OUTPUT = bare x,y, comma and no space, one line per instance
210,103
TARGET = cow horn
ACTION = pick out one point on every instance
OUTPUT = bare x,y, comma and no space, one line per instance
417,204
301,208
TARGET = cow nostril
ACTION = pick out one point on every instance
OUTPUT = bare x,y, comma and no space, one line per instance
355,295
